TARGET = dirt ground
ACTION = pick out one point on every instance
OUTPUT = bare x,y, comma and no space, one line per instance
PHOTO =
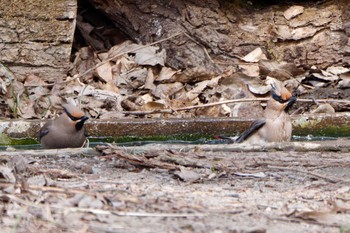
146,189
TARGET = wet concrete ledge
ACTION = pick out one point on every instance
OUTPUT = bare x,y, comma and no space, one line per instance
316,125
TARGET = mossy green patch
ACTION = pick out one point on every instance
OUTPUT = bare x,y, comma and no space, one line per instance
7,141
328,131
160,138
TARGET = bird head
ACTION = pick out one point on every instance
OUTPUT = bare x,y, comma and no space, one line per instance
283,99
76,116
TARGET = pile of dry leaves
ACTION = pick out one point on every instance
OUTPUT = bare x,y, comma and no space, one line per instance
131,77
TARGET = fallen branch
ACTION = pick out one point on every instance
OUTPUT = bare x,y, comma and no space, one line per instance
100,211
69,152
228,102
334,146
317,175
44,188
139,160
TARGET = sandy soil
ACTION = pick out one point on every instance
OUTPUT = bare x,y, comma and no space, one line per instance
171,191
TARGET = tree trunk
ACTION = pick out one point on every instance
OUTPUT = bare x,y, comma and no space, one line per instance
36,36
219,32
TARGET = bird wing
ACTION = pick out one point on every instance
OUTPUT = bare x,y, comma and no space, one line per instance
44,130
228,139
255,126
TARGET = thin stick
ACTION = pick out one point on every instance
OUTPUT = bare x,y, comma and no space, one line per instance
225,102
101,211
108,60
46,188
326,178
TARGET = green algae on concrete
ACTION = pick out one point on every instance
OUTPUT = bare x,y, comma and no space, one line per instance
331,125
183,129
4,139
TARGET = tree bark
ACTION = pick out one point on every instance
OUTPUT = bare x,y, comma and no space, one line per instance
36,36
226,30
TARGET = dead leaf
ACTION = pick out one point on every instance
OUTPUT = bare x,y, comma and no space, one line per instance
7,174
98,93
39,180
150,106
283,32
119,49
293,11
150,56
337,70
303,32
200,86
259,89
187,175
167,90
166,74
149,85
26,108
146,98
133,79
322,216
255,56
195,74
324,108
104,72
254,175
280,71
85,59
90,202
3,87
344,81
251,69
19,163
33,80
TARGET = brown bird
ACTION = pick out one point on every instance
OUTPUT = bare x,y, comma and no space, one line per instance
276,126
66,131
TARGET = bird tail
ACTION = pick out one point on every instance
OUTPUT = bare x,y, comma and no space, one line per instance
226,138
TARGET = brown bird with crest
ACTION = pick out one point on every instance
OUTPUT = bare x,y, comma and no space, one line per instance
66,131
276,126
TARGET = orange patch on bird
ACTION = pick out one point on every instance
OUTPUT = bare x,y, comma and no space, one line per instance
285,94
77,113
74,111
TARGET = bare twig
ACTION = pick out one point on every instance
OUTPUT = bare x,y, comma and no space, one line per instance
108,60
101,211
45,188
194,107
317,175
71,152
227,102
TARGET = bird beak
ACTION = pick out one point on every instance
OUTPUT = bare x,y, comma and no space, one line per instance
84,118
290,103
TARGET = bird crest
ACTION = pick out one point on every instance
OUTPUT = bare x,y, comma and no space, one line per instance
279,92
73,112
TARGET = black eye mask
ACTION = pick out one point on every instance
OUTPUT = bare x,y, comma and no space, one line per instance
290,101
278,98
80,120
